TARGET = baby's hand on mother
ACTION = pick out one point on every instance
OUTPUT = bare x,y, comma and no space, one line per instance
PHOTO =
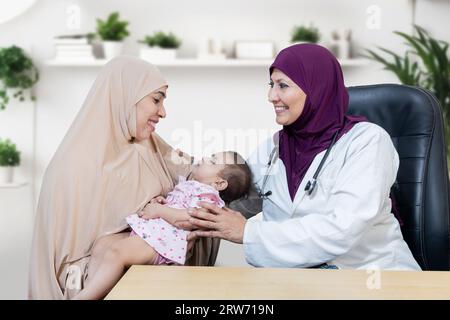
150,211
159,199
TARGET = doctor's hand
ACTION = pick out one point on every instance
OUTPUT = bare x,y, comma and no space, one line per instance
187,225
222,223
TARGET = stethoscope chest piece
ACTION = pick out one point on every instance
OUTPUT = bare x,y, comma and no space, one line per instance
309,188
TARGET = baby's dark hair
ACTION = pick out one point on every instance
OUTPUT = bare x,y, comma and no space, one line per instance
238,176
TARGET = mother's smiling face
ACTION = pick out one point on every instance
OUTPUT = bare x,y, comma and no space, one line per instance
287,98
149,110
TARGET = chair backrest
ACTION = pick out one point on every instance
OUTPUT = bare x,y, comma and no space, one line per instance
413,118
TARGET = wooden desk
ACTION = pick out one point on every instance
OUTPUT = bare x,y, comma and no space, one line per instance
206,283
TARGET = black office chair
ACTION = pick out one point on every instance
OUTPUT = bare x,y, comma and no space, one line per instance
413,118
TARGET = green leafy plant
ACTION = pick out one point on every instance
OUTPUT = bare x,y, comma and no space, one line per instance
17,72
9,156
113,29
162,40
425,64
304,33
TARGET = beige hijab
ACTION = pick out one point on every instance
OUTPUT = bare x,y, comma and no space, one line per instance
97,177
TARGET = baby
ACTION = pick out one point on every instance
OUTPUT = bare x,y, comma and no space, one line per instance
154,239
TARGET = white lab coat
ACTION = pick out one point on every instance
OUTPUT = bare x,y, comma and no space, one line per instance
347,221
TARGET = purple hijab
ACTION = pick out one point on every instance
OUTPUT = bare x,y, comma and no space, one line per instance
317,72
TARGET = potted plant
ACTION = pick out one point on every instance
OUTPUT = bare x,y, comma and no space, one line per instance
112,32
302,34
160,46
432,73
17,72
9,158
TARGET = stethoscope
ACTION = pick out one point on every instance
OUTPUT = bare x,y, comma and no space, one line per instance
310,185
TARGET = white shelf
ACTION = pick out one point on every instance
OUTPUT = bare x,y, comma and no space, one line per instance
195,63
12,185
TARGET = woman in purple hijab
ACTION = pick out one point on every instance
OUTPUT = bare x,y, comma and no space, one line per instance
345,221
315,71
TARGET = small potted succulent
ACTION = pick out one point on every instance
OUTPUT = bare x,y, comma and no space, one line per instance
17,72
112,32
9,158
160,46
305,34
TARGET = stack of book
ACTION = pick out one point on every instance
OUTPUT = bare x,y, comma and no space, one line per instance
73,48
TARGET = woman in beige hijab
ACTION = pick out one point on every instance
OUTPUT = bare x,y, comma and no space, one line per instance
109,164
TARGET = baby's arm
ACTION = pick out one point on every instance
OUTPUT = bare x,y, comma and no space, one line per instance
171,215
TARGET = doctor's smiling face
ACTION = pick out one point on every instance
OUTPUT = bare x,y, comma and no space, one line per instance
287,98
149,110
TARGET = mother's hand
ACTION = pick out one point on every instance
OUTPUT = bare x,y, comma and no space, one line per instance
222,223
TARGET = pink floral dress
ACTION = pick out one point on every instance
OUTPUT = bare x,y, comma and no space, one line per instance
169,241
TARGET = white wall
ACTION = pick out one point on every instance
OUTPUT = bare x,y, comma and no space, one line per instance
16,215
433,16
216,98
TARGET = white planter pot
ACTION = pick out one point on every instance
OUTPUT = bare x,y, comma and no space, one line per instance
112,49
157,54
6,174
343,49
